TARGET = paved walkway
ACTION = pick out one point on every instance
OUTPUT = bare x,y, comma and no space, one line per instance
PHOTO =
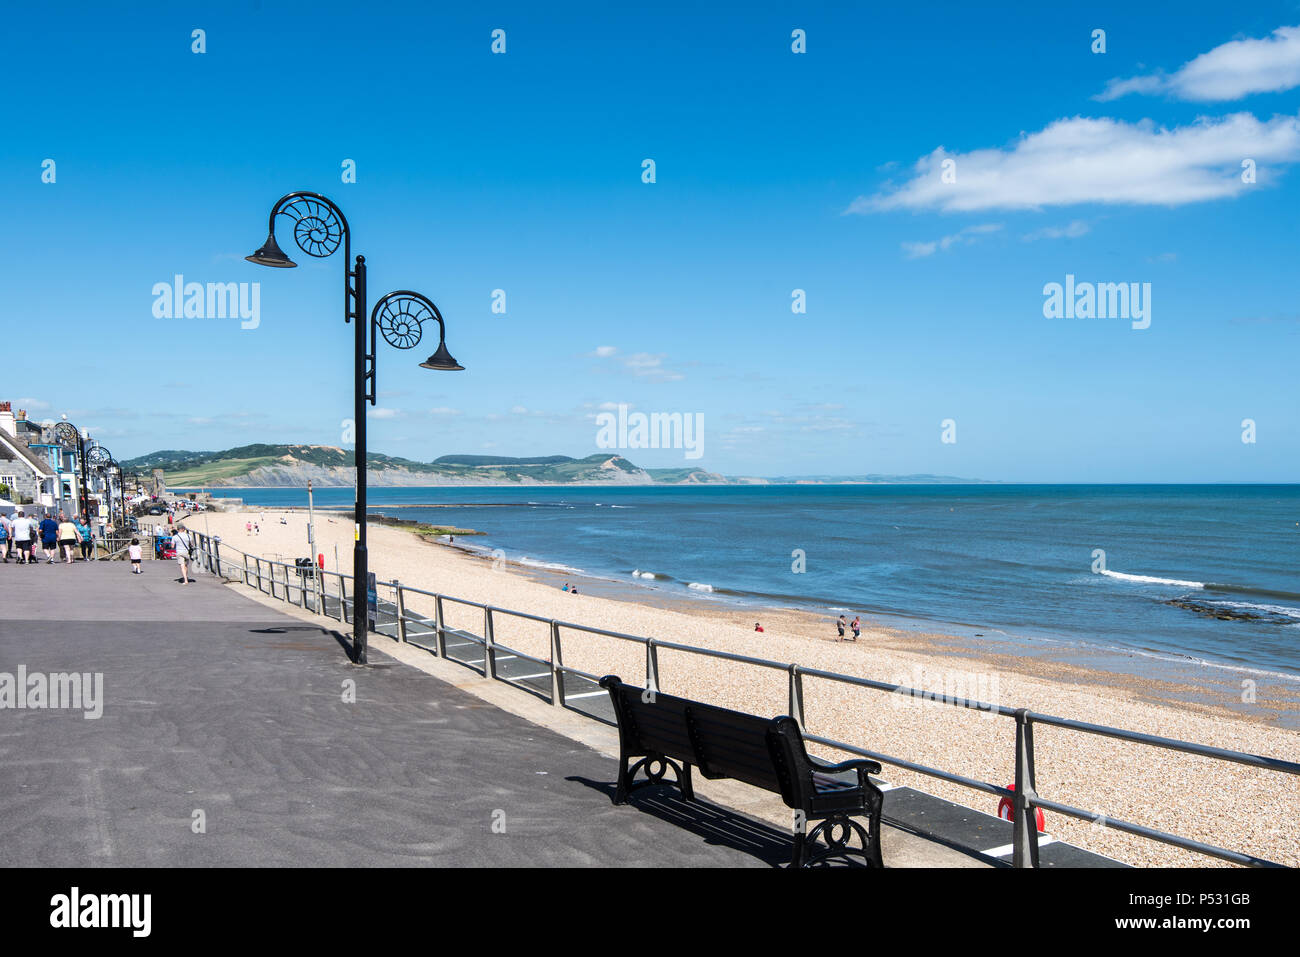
217,704
221,701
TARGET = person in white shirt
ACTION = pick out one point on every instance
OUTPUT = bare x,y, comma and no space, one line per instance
134,552
24,535
181,543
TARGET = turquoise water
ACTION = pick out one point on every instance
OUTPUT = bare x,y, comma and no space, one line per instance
1013,559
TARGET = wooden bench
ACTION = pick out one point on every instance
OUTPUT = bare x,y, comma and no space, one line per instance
657,731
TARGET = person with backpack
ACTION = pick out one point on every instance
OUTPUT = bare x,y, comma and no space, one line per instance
6,535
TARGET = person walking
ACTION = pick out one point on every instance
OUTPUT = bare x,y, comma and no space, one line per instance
133,550
6,536
68,538
49,539
856,625
181,543
840,625
24,537
86,538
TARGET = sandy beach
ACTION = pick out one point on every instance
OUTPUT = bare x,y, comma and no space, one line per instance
1213,801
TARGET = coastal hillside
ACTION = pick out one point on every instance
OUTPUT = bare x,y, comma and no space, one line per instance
324,465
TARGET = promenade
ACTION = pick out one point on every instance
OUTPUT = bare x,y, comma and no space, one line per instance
218,709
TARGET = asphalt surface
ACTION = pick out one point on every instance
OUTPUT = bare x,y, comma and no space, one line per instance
212,703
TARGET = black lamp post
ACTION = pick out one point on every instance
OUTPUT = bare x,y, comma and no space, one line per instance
101,460
319,228
70,437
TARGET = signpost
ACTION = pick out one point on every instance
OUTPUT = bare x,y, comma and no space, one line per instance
372,600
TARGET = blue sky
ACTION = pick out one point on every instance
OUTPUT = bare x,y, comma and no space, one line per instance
775,171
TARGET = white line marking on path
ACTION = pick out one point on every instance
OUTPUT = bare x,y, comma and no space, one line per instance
1005,849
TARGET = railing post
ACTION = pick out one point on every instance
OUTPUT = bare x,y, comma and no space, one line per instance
1024,829
318,586
489,644
796,695
557,666
651,665
216,552
401,612
439,632
245,569
258,563
343,600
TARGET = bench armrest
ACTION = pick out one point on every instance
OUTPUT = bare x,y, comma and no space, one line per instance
861,765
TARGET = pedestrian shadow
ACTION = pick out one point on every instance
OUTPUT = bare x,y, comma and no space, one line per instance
717,825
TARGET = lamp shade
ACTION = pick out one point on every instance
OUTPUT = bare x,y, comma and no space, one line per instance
271,255
442,361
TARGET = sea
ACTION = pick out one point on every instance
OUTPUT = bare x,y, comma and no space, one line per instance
1206,574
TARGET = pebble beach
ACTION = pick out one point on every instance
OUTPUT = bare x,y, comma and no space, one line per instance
1229,805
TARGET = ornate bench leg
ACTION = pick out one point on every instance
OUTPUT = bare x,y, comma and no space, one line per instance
654,766
838,830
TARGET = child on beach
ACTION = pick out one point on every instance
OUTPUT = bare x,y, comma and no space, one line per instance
757,626
134,552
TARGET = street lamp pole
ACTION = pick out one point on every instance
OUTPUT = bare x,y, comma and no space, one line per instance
67,434
320,228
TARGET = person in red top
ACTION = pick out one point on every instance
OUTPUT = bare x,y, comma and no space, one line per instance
757,626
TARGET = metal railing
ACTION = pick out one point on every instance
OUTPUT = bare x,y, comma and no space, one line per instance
313,593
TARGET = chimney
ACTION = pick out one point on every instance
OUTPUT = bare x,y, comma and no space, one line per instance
7,420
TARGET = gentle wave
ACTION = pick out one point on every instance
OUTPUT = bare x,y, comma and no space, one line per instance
1151,579
698,586
637,573
552,566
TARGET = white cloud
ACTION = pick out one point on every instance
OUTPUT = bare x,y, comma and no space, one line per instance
1074,230
970,234
1228,72
382,413
444,410
1083,160
604,352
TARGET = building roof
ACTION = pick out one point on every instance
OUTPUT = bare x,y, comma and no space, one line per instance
12,450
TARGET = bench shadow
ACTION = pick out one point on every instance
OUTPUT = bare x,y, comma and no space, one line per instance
717,825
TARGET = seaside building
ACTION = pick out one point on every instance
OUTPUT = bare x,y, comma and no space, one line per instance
31,475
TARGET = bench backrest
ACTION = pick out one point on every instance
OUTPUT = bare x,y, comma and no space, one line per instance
720,742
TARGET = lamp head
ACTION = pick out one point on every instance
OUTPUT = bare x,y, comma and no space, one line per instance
442,361
271,255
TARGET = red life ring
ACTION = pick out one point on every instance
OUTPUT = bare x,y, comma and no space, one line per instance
1007,811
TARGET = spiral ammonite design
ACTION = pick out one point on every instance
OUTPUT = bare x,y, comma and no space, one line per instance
98,456
317,229
401,321
66,434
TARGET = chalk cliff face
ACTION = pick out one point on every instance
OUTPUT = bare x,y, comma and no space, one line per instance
325,466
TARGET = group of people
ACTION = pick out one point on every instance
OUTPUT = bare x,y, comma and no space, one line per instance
61,539
855,625
56,539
